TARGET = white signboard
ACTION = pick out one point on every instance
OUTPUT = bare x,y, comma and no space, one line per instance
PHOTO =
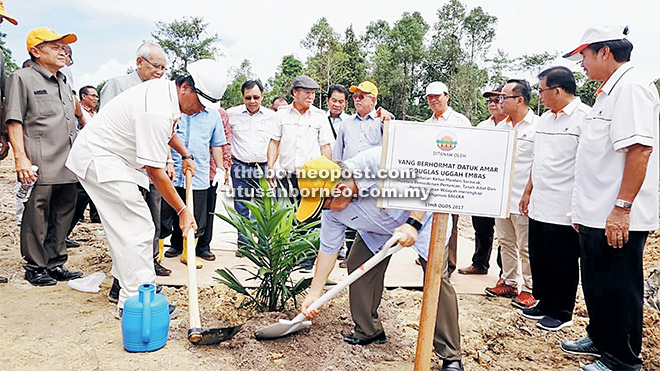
463,170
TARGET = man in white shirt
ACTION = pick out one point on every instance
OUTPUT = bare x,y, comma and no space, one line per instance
131,133
615,198
484,226
437,96
300,132
554,250
250,124
336,102
512,231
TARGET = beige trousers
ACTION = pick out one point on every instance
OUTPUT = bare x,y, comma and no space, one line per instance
512,235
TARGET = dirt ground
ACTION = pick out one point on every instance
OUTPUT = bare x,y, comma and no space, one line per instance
57,328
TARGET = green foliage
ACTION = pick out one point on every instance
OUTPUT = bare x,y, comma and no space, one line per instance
10,66
586,89
280,84
276,244
184,41
233,96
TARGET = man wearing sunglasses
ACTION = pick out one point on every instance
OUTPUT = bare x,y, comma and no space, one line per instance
42,127
346,204
134,132
512,231
484,226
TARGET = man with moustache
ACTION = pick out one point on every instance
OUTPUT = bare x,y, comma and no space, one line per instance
615,198
40,115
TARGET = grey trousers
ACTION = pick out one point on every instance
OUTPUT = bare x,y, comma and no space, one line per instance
365,295
153,199
46,219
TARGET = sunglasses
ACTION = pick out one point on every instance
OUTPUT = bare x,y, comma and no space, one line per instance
360,96
253,97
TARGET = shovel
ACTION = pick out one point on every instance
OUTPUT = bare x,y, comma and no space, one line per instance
286,327
196,334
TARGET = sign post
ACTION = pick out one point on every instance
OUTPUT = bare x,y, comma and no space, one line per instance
460,170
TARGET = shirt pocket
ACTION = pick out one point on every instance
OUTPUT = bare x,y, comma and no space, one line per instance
373,134
47,105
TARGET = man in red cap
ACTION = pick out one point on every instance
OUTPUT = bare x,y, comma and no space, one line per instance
42,127
615,198
4,140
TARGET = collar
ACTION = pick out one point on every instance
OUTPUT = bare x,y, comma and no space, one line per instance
569,108
529,118
245,110
369,116
47,74
608,85
342,116
445,115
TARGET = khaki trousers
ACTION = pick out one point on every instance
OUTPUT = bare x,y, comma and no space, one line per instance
365,295
129,229
512,234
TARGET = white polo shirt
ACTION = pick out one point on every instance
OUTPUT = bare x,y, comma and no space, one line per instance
524,153
251,133
131,131
451,118
625,113
489,123
300,136
553,167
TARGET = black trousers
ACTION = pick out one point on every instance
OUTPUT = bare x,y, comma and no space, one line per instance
154,201
613,284
484,229
169,223
82,200
204,241
46,220
554,254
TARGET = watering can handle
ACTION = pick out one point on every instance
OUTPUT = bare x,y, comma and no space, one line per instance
146,317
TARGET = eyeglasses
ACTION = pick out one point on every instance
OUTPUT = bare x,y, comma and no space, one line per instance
253,97
358,96
155,65
493,100
505,97
546,89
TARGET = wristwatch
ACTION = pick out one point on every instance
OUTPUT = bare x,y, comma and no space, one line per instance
623,204
415,223
191,157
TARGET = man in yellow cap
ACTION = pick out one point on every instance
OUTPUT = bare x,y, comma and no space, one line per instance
4,141
350,201
41,121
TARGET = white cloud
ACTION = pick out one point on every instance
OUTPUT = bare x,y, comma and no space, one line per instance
105,71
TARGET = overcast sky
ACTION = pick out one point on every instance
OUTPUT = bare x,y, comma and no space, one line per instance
264,31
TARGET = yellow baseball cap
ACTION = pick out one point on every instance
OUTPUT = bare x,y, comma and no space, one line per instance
3,14
315,180
40,35
366,87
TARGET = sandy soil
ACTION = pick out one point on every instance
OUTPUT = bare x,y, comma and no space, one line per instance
59,328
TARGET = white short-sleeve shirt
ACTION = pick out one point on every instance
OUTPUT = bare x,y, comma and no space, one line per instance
625,113
524,154
131,131
553,167
251,133
489,123
300,136
451,118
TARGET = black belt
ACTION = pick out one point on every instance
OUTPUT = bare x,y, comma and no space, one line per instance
250,164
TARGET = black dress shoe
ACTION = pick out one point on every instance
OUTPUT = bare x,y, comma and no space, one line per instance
39,278
455,365
62,274
378,339
160,270
3,279
206,255
70,243
113,295
172,253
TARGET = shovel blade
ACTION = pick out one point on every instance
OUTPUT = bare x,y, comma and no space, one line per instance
281,328
211,336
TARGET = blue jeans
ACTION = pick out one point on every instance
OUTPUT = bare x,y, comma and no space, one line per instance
245,181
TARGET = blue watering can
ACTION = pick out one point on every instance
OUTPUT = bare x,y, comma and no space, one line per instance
145,321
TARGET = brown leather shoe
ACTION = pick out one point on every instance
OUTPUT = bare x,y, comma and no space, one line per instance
502,290
472,270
